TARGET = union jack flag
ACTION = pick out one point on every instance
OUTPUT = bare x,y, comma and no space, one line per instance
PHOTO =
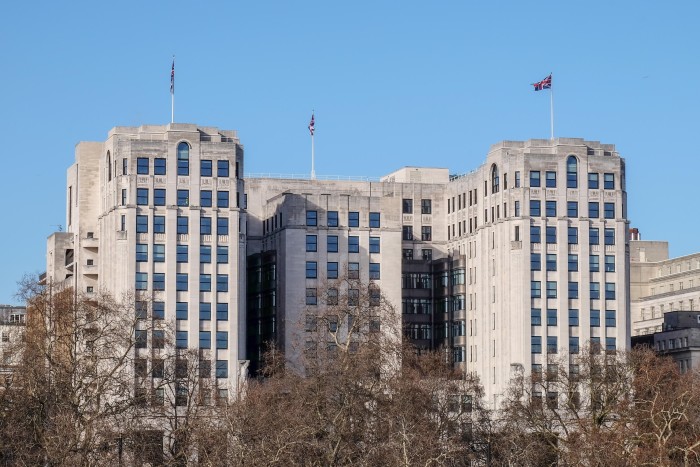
311,125
544,84
172,78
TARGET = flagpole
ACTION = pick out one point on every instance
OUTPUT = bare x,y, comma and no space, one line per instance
551,111
172,93
313,172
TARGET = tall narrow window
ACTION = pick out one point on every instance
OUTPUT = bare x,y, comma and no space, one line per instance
109,167
494,179
571,172
183,159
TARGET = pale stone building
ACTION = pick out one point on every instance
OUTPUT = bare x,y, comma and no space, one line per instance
13,321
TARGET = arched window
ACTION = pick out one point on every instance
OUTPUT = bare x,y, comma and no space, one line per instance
109,167
572,172
183,158
494,179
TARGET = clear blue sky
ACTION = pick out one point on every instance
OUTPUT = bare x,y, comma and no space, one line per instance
393,83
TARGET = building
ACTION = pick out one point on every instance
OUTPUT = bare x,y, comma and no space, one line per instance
659,284
679,338
153,214
13,320
522,259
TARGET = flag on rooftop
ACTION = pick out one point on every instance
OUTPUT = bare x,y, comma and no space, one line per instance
311,125
172,78
544,84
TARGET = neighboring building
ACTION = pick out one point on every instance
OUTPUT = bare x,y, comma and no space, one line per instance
153,214
679,339
659,284
13,320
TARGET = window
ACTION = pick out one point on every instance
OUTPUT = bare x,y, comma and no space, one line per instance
353,244
536,344
408,253
407,232
517,209
141,341
535,209
573,290
594,236
353,270
181,339
221,339
535,236
311,218
610,291
205,339
205,282
181,310
551,234
610,344
222,282
593,209
407,206
609,263
158,281
159,166
205,198
158,342
140,366
610,321
123,203
222,254
222,368
332,244
141,224
311,269
517,179
311,242
158,310
141,252
426,233
609,181
183,197
592,181
534,178
595,318
536,317
609,236
551,262
159,197
494,179
572,208
374,271
183,225
571,172
426,206
573,345
142,196
595,290
573,235
222,225
551,289
205,311
158,253
609,210
332,270
332,218
353,219
573,263
552,346
573,317
183,159
205,225
222,311
427,254
353,297
205,168
374,244
375,220
535,289
551,179
182,253
205,254
551,317
142,165
125,165
222,199
222,168
535,262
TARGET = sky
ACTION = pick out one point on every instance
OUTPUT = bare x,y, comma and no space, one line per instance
392,83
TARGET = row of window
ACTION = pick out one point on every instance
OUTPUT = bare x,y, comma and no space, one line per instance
332,270
183,197
572,235
551,262
551,317
183,166
182,253
183,223
553,347
158,368
426,233
572,209
353,219
158,339
181,310
551,290
426,206
182,282
332,244
426,254
572,178
353,299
